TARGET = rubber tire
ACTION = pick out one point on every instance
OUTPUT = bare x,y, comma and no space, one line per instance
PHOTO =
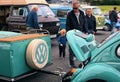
107,27
31,57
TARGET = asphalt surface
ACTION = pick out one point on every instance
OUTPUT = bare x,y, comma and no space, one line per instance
57,62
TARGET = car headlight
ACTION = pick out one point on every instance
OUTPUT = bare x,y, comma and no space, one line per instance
58,24
118,51
41,25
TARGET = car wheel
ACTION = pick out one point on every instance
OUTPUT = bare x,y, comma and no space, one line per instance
107,27
37,54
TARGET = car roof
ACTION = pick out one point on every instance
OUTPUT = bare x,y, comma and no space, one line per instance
22,2
60,7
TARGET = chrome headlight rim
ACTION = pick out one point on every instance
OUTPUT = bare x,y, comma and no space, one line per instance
118,51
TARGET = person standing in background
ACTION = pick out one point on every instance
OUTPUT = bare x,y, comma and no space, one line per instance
75,20
113,18
90,22
62,43
32,19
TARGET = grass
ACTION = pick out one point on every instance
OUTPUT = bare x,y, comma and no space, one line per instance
107,8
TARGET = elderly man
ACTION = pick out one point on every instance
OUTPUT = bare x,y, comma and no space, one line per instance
32,19
90,22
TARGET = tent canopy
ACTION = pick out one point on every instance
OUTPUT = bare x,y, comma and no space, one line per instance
21,2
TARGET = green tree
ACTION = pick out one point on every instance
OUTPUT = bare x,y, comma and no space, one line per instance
103,2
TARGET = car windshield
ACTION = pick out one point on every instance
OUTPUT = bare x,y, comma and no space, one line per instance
44,11
62,13
97,11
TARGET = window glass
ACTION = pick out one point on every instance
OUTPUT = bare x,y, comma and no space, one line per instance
1,11
19,11
62,13
85,49
44,11
97,11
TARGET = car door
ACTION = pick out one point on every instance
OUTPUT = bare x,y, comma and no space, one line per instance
17,17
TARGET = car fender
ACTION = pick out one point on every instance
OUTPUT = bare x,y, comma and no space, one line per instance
118,24
98,71
107,22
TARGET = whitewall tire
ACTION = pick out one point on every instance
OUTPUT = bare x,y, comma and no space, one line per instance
37,54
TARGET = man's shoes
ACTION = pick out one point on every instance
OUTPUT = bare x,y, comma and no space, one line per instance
74,58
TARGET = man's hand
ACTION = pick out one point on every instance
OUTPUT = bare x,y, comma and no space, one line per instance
86,33
40,29
94,32
61,44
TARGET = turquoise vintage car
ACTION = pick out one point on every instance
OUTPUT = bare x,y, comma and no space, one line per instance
100,62
23,53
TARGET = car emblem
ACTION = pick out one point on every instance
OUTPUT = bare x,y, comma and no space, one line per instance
41,53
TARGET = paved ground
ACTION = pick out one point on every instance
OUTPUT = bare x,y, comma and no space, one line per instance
58,62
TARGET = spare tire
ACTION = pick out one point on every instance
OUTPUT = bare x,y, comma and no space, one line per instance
37,54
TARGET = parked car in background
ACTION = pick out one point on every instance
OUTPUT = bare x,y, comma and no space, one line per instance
107,24
61,12
13,15
100,18
22,54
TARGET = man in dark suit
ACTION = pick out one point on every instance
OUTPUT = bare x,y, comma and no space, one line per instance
75,20
113,18
90,22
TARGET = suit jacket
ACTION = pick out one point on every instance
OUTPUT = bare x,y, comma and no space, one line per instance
90,23
72,22
32,20
113,16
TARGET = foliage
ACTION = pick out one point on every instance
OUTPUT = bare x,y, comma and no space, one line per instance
103,2
107,8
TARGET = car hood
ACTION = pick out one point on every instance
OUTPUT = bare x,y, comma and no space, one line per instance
81,44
